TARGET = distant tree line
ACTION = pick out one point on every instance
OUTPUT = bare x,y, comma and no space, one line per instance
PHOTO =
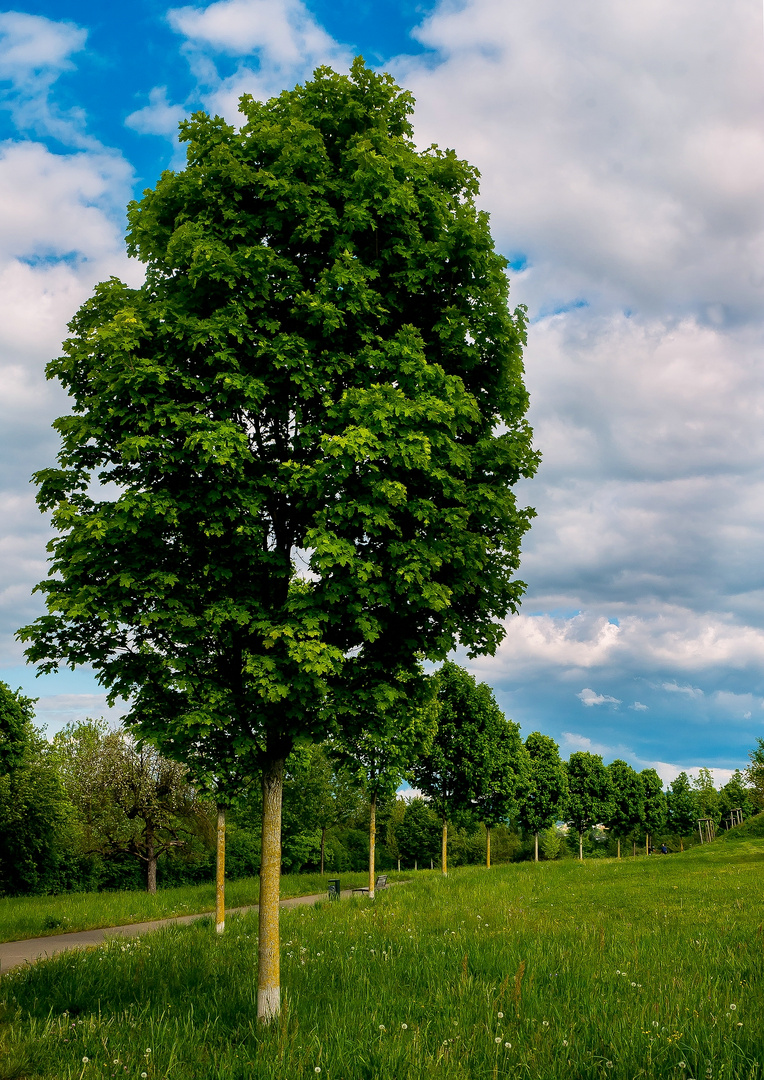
95,809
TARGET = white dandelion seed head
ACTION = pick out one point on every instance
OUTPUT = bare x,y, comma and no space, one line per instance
507,1046
564,1042
404,1026
733,1007
633,984
740,1025
500,1016
655,1023
317,1069
497,1039
682,1064
609,1064
85,1060
545,1023
143,1076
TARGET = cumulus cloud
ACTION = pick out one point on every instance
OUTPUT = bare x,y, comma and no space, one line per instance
34,53
276,45
590,697
55,711
632,136
159,117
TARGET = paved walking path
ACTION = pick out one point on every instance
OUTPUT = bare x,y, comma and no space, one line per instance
15,953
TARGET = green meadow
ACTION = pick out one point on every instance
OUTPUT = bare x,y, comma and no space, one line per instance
41,916
643,967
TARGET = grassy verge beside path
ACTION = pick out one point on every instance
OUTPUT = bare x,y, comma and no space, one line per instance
648,968
40,916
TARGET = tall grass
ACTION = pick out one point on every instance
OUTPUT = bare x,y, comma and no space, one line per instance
38,916
638,968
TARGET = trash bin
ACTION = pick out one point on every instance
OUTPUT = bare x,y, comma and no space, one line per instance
334,888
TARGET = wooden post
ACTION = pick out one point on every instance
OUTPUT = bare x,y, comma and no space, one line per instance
220,873
268,960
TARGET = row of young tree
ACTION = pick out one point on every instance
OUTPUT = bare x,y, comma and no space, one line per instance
94,809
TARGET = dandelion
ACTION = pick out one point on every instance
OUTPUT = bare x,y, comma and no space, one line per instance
404,1027
733,1007
633,984
148,1049
317,1069
143,1076
682,1064
500,1016
655,1023
85,1060
739,1025
545,1023
617,971
507,1046
609,1064
564,1042
382,1027
497,1039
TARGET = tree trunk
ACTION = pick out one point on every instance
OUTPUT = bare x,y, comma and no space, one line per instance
536,847
647,843
581,845
323,839
634,849
619,847
151,862
220,873
681,844
268,970
399,864
416,866
488,847
444,848
372,842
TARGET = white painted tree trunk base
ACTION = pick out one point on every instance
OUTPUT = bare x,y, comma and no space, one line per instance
220,927
268,1004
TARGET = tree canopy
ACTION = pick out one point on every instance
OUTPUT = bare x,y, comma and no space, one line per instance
287,474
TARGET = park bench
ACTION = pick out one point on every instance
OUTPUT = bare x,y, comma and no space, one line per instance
381,883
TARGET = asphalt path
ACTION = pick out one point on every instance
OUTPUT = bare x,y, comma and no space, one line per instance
15,953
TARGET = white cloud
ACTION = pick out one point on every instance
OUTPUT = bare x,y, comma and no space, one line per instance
34,52
638,707
55,711
279,43
690,691
621,149
159,117
590,697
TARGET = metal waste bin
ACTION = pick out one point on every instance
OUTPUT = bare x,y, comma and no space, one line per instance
334,888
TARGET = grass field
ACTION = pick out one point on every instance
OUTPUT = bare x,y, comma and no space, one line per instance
638,968
39,916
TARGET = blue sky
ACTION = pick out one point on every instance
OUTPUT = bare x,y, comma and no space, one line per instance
622,154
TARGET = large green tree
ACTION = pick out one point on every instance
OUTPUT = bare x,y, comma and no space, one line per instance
382,751
544,793
287,474
654,807
682,811
627,801
476,756
36,817
589,793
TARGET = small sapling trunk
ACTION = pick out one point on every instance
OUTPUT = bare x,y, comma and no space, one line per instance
268,959
220,873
